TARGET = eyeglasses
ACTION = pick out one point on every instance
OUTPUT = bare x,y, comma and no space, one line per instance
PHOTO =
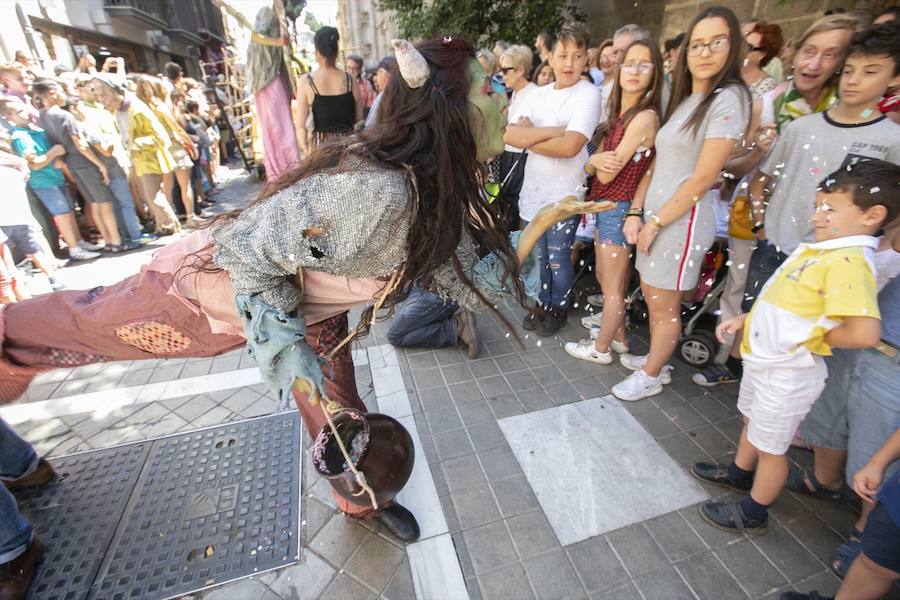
752,48
506,70
717,45
643,68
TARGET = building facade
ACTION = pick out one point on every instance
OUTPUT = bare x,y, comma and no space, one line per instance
365,30
145,33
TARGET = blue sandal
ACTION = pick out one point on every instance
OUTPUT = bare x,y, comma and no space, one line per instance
801,478
846,553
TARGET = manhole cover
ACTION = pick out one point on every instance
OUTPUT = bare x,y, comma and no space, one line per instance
167,517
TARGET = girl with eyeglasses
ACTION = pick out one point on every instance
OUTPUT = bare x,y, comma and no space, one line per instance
624,155
707,113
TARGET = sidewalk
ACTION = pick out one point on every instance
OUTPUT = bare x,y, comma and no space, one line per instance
531,481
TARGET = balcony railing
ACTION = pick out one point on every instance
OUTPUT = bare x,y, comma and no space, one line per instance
142,13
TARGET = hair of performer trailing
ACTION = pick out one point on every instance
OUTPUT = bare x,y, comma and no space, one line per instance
427,130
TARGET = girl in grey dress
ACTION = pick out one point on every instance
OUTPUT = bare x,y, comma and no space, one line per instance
707,113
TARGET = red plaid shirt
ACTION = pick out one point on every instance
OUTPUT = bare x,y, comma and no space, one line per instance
622,188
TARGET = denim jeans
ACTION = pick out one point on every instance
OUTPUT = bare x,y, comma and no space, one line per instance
129,226
764,262
17,458
557,272
424,319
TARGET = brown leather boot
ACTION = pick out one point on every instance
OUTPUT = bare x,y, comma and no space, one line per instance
43,474
16,575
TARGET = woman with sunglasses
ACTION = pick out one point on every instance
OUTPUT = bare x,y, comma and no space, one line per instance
618,167
763,44
706,116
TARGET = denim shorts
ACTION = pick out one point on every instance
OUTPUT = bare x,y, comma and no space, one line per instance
55,199
24,237
610,222
881,539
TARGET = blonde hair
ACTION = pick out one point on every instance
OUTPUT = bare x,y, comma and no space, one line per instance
518,56
830,23
488,57
149,89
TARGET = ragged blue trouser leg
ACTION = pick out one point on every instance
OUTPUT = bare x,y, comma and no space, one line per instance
557,272
17,459
126,217
424,319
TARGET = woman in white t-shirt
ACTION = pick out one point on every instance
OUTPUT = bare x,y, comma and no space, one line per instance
557,122
515,63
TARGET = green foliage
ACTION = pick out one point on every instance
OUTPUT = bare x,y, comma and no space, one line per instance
311,21
481,21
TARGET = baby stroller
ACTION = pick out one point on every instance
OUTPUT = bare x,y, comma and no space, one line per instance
698,345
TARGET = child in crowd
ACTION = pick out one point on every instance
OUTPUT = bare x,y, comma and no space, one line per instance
565,115
822,297
46,180
627,151
878,566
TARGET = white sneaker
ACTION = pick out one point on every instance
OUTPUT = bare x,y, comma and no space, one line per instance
585,351
637,386
636,363
85,245
595,300
591,321
79,253
615,346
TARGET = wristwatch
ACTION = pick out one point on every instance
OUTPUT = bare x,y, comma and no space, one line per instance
656,220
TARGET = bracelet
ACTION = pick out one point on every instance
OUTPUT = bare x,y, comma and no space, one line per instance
656,220
633,215
634,212
757,228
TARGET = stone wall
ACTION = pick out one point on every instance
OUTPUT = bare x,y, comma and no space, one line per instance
667,19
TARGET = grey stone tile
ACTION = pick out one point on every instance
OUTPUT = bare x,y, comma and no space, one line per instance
514,495
731,428
562,393
196,368
792,559
522,380
465,392
226,362
827,585
428,447
499,462
682,449
552,576
684,415
69,388
535,358
751,568
443,419
216,416
836,514
486,435
375,561
709,579
493,386
652,419
263,406
431,398
165,373
713,442
711,409
820,539
462,553
246,589
316,515
713,536
536,399
490,547
457,373
135,378
663,584
505,405
449,513
428,378
675,536
532,534
789,509
577,369
626,591
500,347
475,412
303,581
637,549
400,587
451,444
418,362
589,387
193,408
463,473
509,364
548,374
241,399
597,565
346,588
508,583
449,356
338,539
474,589
475,506
484,367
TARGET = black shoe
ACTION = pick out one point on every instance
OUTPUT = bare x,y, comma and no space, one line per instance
718,474
399,522
813,595
553,320
531,321
729,516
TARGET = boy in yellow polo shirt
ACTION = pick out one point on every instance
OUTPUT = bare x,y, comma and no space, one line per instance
822,297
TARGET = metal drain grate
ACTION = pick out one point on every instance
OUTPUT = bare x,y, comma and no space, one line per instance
208,507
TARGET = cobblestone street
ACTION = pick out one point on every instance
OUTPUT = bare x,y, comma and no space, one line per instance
519,482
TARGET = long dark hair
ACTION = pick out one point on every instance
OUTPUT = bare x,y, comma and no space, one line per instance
728,76
427,132
651,99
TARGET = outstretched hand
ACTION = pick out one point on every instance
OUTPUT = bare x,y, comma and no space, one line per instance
730,327
570,206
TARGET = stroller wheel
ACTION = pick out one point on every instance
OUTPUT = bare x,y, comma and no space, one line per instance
639,313
698,349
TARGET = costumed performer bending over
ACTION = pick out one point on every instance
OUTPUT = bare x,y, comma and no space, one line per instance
357,221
